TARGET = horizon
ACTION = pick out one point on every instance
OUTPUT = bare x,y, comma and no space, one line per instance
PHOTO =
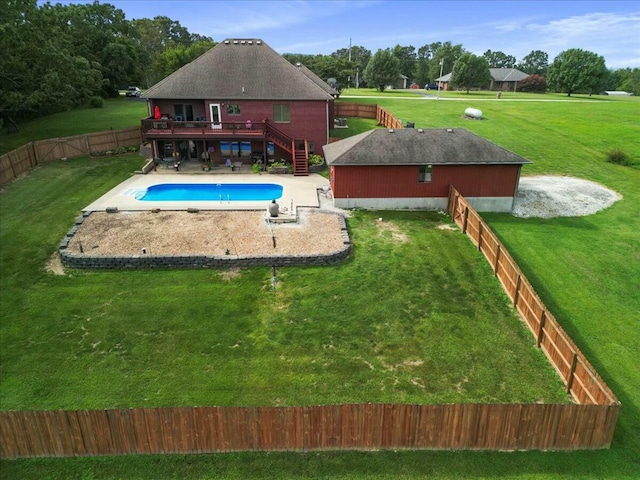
609,29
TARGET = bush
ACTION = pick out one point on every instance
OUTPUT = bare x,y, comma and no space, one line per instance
533,83
315,160
617,156
96,102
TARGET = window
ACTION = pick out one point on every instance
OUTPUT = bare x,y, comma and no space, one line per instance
183,112
281,113
233,109
235,149
311,148
425,173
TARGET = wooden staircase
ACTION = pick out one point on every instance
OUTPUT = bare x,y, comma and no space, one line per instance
298,149
300,158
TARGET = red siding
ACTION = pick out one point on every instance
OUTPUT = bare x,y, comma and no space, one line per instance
402,181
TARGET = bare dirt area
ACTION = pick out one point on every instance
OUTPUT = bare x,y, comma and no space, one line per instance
547,196
205,233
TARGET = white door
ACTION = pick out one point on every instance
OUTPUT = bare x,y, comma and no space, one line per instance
215,115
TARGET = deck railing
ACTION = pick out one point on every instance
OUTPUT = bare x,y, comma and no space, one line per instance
160,127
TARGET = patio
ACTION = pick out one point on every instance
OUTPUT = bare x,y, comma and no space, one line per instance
297,191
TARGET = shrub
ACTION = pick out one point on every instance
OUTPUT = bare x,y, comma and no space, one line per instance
96,102
315,160
617,156
533,83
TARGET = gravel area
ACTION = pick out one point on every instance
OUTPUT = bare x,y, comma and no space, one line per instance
206,233
548,196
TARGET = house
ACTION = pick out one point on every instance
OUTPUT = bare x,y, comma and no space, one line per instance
242,101
506,79
502,79
412,168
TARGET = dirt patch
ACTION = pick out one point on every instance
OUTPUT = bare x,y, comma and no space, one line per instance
548,196
54,265
396,234
205,233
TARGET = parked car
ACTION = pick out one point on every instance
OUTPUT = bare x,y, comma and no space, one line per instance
431,86
133,92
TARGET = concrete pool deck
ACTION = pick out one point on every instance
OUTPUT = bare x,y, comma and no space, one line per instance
297,191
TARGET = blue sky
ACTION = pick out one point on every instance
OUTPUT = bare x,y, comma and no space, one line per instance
609,28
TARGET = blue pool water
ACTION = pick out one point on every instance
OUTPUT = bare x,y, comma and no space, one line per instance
175,192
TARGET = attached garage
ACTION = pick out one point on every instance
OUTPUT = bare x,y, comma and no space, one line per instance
413,168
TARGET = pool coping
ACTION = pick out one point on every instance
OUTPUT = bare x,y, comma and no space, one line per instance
297,192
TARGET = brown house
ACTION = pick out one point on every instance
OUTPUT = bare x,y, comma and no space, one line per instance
241,101
412,169
502,79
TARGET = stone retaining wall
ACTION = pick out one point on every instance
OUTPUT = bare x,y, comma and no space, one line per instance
85,261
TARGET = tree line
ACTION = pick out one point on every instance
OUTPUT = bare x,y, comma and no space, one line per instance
56,57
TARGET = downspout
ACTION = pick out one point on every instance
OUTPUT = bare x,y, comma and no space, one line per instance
327,122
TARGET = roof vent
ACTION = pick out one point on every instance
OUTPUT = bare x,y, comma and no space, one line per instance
391,130
226,42
235,42
259,42
242,89
242,42
250,42
449,130
420,130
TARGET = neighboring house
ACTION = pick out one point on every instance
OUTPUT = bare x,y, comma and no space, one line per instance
502,79
506,79
413,168
401,83
241,100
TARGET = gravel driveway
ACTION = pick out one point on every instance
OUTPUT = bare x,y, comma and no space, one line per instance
548,196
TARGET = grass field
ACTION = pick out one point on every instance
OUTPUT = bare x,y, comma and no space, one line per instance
586,269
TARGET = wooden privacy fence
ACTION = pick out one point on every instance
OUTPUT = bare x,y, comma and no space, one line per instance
23,159
305,428
579,377
367,110
589,424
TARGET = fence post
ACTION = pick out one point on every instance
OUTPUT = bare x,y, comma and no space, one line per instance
480,235
572,371
543,320
466,217
515,295
495,265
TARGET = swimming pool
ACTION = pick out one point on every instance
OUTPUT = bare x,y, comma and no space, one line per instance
228,192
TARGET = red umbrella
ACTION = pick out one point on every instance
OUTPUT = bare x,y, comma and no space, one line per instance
156,113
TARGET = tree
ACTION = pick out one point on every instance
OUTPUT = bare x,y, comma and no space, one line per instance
157,35
470,71
359,59
536,62
40,72
445,52
383,69
533,83
407,59
577,70
172,59
499,59
631,81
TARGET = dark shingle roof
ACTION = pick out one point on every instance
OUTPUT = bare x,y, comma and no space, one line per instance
507,74
413,146
239,69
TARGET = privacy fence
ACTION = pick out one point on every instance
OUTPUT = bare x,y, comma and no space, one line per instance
21,160
367,110
587,424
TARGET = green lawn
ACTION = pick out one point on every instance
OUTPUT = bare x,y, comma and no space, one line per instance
169,338
117,113
586,270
